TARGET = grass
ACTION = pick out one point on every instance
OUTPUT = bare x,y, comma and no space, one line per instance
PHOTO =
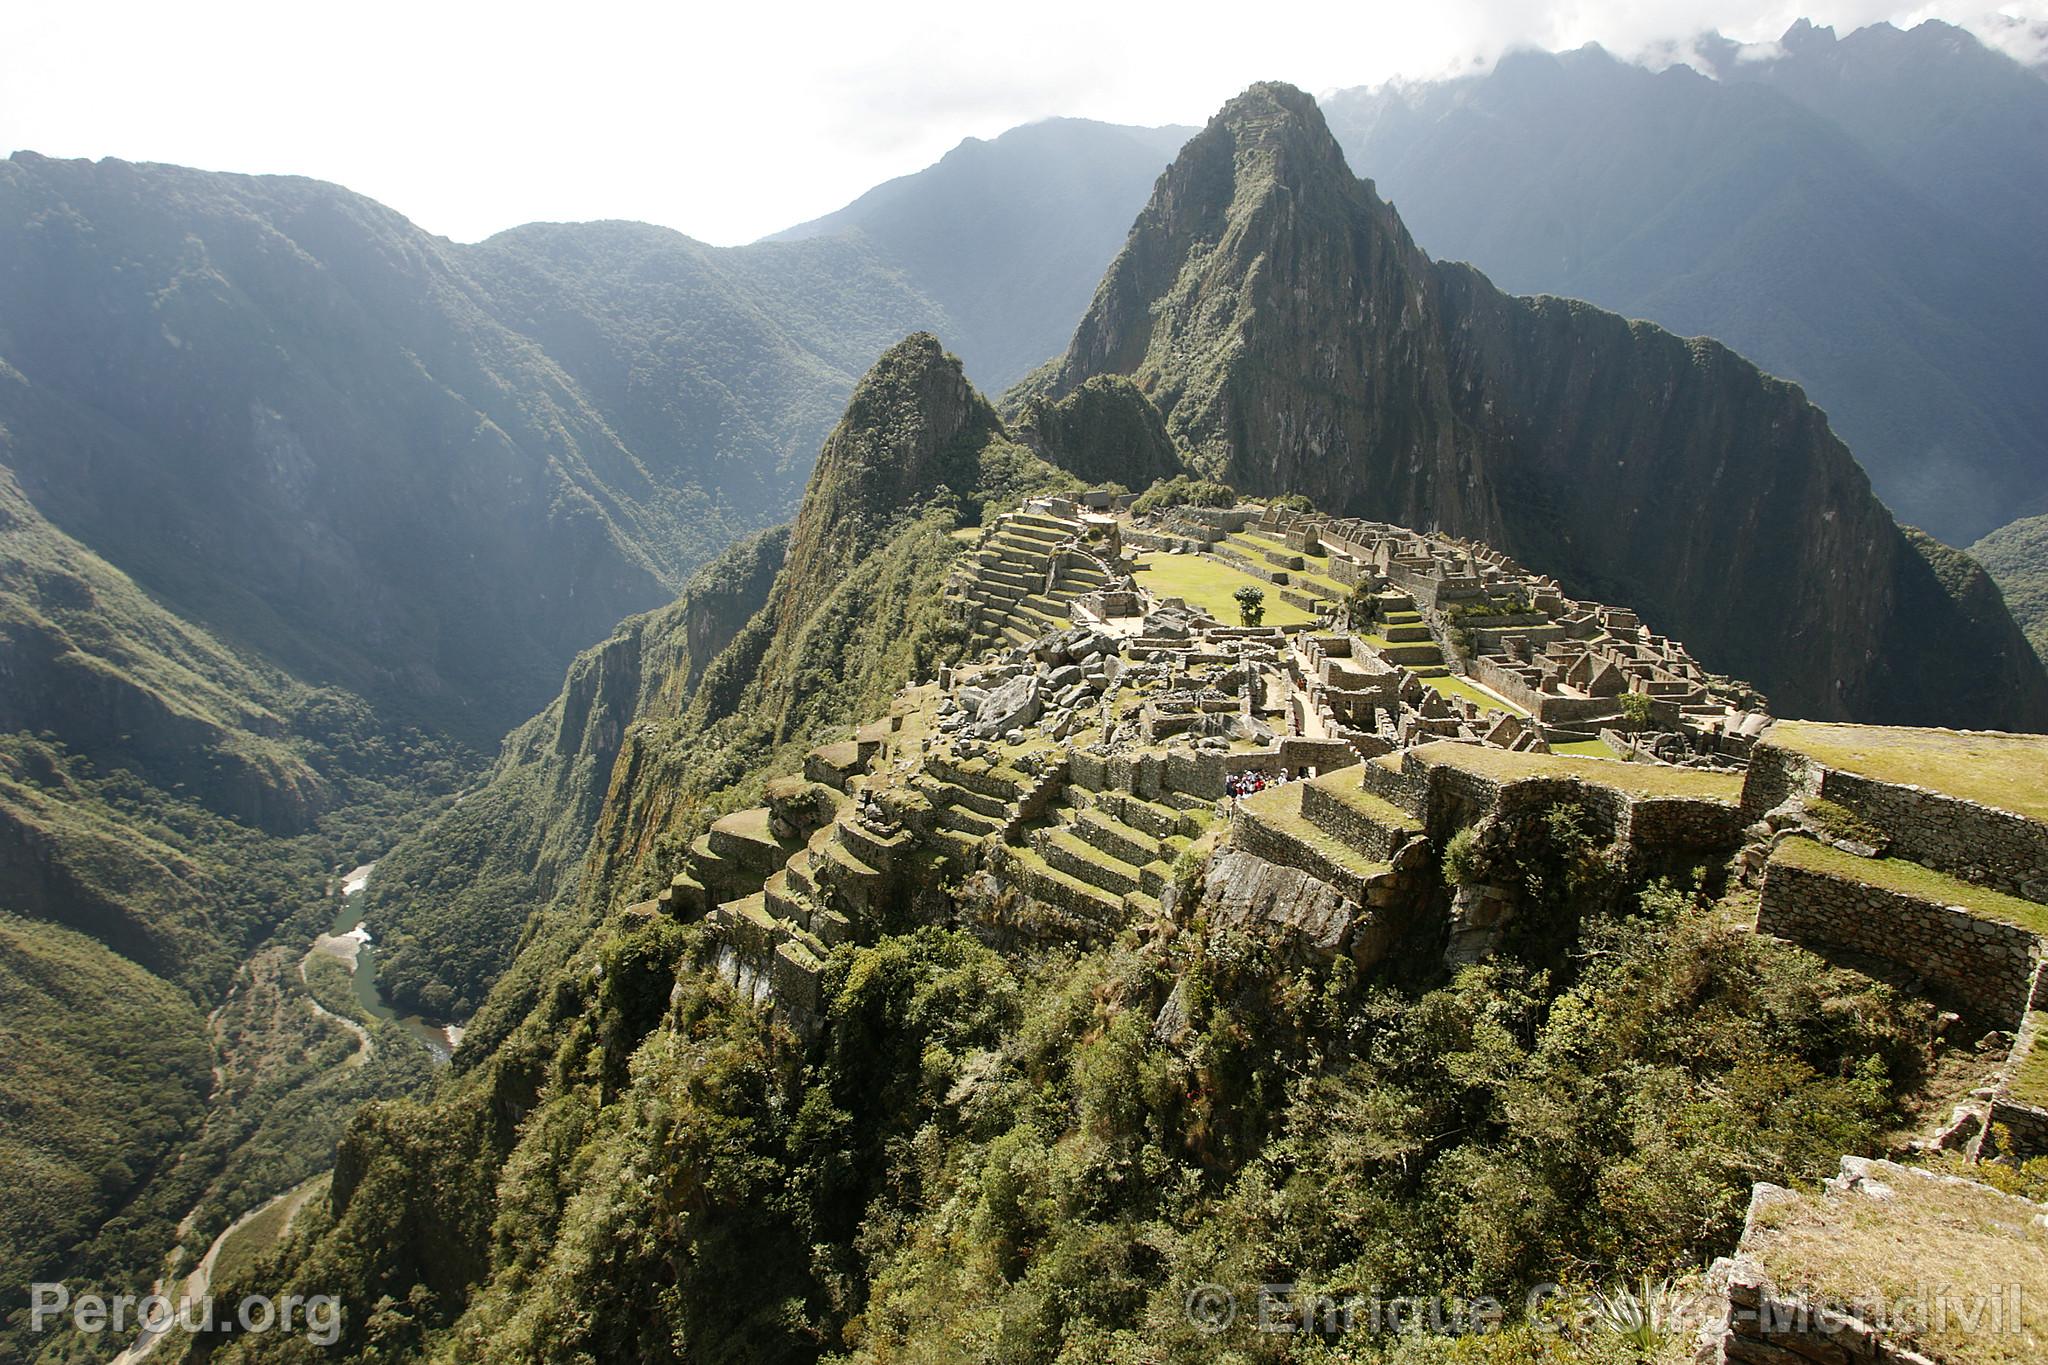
1344,785
1207,584
2006,771
1280,808
1453,686
1911,879
1932,1240
1584,748
1637,779
2030,1078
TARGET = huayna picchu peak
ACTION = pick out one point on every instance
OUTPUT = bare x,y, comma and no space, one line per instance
1296,340
1352,817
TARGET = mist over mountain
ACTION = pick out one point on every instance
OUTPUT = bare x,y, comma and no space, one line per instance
426,472
1862,216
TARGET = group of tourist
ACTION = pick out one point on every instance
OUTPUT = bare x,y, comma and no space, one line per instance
1244,784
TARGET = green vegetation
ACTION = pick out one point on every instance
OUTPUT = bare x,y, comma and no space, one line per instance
1637,779
2030,1077
1637,710
104,1070
1184,491
999,1155
1251,604
2016,557
1912,879
2006,771
1451,685
1211,586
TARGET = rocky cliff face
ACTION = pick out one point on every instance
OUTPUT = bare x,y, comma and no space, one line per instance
450,901
1297,340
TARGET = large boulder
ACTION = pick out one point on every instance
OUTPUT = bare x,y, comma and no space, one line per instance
1012,706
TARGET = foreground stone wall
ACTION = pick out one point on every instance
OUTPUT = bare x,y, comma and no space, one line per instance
1965,839
1987,966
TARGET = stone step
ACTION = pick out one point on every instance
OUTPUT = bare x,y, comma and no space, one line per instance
1142,905
746,924
1270,824
1114,837
784,902
978,775
1040,521
942,793
964,820
744,838
876,850
1041,881
1155,818
1338,804
1067,853
1408,634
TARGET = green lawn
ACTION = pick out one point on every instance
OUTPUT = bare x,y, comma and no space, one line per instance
1637,779
2006,771
1207,584
1453,686
1911,879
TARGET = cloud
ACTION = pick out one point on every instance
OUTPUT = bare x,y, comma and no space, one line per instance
728,122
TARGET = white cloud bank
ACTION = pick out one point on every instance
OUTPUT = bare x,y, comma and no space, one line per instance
730,121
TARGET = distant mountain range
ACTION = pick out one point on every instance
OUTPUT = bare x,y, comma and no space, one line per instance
1865,216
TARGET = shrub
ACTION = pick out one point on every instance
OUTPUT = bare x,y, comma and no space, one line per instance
1251,604
1182,491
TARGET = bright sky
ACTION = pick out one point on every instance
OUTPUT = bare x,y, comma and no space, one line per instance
732,120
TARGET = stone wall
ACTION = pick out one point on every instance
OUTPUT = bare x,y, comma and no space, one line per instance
1674,824
1987,966
1343,821
1974,842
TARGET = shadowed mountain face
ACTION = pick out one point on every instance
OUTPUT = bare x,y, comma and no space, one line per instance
1296,339
426,472
1863,216
1010,235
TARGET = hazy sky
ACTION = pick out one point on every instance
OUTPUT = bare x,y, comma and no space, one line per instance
733,120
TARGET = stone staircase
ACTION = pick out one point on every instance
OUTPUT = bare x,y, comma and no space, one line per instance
1020,581
1408,638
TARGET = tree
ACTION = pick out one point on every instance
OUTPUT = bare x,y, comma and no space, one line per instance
1251,604
1637,709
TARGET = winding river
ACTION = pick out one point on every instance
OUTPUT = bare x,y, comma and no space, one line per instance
348,938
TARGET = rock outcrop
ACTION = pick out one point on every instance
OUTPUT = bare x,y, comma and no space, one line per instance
1297,340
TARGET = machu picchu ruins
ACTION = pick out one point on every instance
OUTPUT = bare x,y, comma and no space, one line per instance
1125,749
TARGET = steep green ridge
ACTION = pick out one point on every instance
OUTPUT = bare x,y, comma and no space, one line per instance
106,1069
1105,432
424,472
171,809
1861,216
1010,235
1296,340
2016,557
680,714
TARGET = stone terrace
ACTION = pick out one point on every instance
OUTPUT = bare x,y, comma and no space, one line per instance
1927,849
